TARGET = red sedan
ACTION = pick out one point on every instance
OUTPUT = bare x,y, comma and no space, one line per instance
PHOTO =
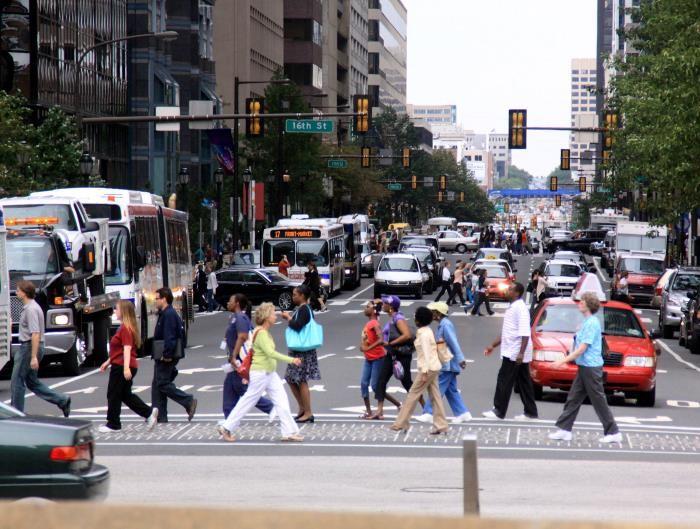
629,352
498,280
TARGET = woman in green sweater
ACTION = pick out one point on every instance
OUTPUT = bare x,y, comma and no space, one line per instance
264,377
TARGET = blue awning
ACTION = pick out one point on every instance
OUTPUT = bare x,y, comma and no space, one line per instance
531,193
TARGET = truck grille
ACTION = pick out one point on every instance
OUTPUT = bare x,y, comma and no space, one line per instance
4,333
613,359
16,307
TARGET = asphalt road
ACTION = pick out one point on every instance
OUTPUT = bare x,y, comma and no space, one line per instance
669,431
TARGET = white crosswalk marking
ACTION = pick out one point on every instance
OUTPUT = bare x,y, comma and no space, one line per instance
352,311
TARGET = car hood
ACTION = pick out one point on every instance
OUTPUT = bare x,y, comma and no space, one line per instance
49,421
563,279
399,276
562,342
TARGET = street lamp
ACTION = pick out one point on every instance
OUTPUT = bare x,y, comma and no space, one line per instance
183,178
286,177
86,165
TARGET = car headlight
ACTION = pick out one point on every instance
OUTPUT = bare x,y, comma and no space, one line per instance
367,259
675,300
639,361
417,282
502,287
551,283
348,271
547,356
379,280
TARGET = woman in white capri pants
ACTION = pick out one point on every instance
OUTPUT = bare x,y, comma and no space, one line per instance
264,378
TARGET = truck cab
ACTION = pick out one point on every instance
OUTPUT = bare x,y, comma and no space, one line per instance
644,269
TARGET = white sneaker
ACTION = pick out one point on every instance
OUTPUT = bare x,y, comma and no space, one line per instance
523,417
612,438
152,419
465,417
272,416
426,417
106,429
561,435
490,414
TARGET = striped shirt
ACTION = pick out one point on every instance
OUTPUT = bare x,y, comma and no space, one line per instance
516,325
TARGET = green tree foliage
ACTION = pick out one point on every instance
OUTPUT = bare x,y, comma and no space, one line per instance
658,96
517,179
563,177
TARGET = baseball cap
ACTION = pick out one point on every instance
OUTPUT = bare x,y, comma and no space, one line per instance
393,301
439,306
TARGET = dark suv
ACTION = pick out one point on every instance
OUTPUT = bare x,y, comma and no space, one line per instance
581,240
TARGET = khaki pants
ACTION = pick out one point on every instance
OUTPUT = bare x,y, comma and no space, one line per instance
417,389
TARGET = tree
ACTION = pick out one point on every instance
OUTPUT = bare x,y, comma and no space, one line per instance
563,177
517,179
657,95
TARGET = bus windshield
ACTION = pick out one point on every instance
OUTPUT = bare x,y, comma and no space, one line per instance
272,252
312,251
66,220
120,273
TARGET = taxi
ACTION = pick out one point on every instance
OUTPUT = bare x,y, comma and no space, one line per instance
630,354
498,281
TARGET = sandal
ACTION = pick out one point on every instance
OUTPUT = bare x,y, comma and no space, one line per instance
375,417
226,435
365,416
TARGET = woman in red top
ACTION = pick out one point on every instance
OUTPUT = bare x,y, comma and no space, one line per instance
373,348
122,358
283,266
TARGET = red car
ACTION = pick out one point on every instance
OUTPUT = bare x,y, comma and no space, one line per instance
630,361
498,280
644,269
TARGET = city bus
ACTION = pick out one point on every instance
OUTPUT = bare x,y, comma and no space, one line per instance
5,318
353,226
149,249
321,241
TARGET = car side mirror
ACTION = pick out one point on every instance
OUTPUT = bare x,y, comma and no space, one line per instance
91,225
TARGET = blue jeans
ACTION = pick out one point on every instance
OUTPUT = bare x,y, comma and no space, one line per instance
210,300
370,376
470,296
448,387
163,388
234,389
24,377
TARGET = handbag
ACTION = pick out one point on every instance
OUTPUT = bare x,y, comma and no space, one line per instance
159,346
243,369
398,370
443,352
308,338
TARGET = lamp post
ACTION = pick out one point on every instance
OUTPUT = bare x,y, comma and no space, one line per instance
183,178
236,100
219,178
250,214
86,165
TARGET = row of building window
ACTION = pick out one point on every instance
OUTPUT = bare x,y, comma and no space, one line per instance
582,109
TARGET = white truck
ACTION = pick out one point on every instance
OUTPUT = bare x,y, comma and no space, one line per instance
5,318
53,243
633,236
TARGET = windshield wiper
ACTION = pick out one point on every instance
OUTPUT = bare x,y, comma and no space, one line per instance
22,272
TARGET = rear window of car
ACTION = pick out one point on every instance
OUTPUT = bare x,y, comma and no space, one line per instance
398,264
562,270
686,282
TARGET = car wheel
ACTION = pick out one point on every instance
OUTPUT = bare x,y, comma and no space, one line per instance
461,248
376,293
647,399
284,301
419,293
538,390
667,331
694,346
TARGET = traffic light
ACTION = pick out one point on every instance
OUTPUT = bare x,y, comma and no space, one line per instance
565,160
362,106
365,157
461,196
439,196
414,182
582,184
254,126
557,200
612,121
553,184
406,158
443,183
517,132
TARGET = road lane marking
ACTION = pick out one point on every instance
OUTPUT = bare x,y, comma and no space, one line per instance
677,356
195,347
323,357
339,303
361,292
645,320
352,311
351,348
194,370
62,383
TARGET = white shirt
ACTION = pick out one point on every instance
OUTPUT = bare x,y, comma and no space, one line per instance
446,275
516,325
212,282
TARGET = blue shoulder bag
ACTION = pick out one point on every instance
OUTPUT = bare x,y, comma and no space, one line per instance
308,338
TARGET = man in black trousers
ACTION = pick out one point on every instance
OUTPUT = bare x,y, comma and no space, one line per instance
446,282
516,355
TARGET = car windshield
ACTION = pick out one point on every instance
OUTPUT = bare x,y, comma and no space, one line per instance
312,252
568,319
496,272
274,277
27,256
562,270
61,212
491,254
414,241
643,266
120,256
685,282
398,264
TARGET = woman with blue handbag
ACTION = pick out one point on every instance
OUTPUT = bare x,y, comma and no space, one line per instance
303,337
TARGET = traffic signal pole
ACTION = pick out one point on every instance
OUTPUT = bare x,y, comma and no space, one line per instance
236,157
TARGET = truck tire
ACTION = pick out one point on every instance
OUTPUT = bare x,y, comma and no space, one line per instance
100,351
71,362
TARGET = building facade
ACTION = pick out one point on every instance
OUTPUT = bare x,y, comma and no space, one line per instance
583,114
40,45
170,74
497,144
433,114
387,53
303,45
480,163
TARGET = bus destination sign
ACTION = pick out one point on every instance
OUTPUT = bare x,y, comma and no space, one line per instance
296,234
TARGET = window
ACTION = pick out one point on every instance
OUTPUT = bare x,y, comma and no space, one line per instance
313,251
562,270
398,264
62,212
273,251
252,277
120,256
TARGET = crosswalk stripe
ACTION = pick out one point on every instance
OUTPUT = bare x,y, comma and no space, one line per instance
353,311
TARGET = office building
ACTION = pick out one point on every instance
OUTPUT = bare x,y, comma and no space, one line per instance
303,45
387,53
497,144
583,114
250,47
40,44
170,74
480,163
433,114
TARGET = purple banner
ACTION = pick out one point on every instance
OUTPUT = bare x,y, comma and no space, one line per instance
222,145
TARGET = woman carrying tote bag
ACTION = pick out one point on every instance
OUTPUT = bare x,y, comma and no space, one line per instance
303,336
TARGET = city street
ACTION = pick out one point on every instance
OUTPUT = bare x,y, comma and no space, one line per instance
667,435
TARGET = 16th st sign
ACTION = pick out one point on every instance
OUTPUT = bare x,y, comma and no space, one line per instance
308,126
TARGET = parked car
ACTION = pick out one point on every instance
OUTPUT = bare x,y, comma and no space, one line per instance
400,274
246,259
48,457
257,284
431,262
369,258
418,240
674,297
453,241
689,332
561,276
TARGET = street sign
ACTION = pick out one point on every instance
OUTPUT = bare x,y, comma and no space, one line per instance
309,126
337,164
394,187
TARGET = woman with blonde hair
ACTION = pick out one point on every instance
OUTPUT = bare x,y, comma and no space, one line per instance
122,359
264,378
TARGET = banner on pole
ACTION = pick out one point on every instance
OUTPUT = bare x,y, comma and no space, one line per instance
222,145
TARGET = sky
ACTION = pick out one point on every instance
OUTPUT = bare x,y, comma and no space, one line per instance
487,56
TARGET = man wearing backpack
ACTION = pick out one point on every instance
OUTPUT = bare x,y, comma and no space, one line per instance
170,330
